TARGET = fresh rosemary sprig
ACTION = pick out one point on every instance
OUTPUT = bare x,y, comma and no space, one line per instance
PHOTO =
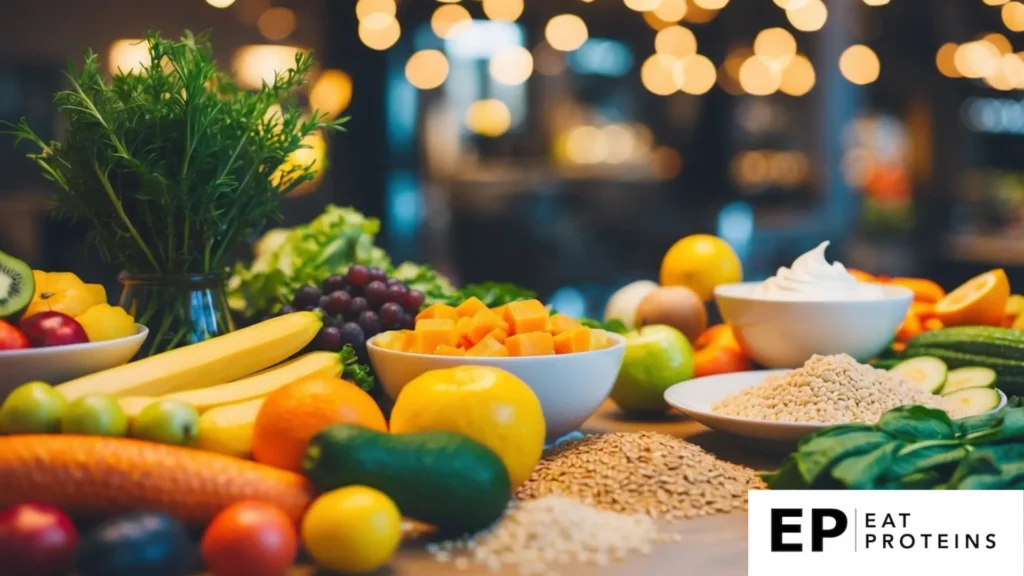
172,167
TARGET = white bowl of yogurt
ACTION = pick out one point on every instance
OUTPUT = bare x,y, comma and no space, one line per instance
812,307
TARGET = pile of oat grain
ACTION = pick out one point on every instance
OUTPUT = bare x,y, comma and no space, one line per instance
829,390
642,473
534,536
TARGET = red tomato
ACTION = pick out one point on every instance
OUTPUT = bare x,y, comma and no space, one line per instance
250,538
36,540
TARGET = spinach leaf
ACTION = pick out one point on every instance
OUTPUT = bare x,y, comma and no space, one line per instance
979,427
940,460
817,456
860,472
917,423
1013,424
787,477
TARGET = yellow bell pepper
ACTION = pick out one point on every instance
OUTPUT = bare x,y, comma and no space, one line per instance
64,292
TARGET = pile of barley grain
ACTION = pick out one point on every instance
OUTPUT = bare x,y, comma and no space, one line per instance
829,390
642,473
534,536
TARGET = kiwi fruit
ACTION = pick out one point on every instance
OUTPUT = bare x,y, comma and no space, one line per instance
17,286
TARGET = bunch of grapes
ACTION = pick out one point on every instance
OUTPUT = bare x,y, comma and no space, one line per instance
358,306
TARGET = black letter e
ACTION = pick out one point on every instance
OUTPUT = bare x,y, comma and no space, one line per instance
779,528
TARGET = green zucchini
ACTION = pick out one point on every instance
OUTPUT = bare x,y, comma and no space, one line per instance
969,377
926,372
984,340
975,400
956,359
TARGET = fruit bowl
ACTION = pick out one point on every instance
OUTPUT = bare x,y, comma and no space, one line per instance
57,364
570,387
786,333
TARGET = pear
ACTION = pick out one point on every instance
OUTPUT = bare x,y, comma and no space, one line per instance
623,304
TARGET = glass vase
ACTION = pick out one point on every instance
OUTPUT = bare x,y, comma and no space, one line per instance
178,310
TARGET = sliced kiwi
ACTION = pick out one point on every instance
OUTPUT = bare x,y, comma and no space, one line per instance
17,286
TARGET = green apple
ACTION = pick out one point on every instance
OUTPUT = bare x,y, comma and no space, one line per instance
168,422
33,408
657,357
95,414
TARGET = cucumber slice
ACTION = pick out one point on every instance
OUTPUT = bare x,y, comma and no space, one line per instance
976,400
969,377
926,372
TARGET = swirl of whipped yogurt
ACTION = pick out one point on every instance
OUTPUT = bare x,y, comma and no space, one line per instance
811,277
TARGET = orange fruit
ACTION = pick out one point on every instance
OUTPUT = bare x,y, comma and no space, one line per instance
979,301
293,414
700,262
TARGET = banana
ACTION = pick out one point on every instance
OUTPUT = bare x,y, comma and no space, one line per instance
228,429
262,383
133,405
211,362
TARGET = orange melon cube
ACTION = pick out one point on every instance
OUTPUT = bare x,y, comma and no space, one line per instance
525,316
470,307
599,340
572,341
438,311
483,323
531,344
431,333
498,334
399,340
488,347
446,350
500,310
561,323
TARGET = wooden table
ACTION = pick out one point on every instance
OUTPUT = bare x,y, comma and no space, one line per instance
711,546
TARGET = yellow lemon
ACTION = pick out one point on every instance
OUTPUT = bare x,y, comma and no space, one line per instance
700,262
484,403
105,322
354,529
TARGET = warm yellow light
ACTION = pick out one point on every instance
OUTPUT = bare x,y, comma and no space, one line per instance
566,32
1002,43
809,17
666,162
449,1
699,15
220,3
366,7
490,118
503,10
945,60
775,44
1007,74
1013,16
449,20
676,41
859,64
711,4
313,153
996,2
662,74
587,145
427,69
671,10
621,141
379,31
276,24
511,65
654,22
699,74
128,55
876,2
790,4
978,59
757,77
729,72
256,64
642,5
331,93
798,77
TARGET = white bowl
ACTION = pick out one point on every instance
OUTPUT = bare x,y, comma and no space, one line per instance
58,364
695,397
785,333
570,387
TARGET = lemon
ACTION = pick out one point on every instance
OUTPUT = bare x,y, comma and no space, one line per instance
353,529
700,262
105,322
487,404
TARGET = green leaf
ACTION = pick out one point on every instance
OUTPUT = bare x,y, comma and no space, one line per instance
613,325
921,459
355,372
916,423
1013,424
787,477
818,456
860,472
980,426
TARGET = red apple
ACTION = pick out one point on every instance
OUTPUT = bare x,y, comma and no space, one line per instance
11,338
36,540
53,329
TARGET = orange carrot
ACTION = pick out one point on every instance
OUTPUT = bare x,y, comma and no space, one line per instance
100,476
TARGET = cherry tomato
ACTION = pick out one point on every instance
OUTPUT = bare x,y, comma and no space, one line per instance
250,538
36,540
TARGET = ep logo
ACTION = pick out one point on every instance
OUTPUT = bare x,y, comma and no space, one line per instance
824,523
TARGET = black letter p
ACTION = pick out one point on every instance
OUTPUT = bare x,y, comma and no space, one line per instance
818,532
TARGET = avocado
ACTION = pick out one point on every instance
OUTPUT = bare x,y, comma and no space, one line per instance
442,478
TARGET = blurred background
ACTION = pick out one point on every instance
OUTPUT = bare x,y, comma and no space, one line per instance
564,145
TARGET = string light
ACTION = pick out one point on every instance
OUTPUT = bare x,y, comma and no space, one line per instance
699,75
675,41
756,77
945,60
798,78
1013,16
490,118
671,10
566,32
775,44
449,20
662,74
331,93
642,5
427,69
512,65
379,31
859,64
366,7
809,16
503,10
276,24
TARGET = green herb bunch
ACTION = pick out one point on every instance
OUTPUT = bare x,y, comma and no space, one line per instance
172,166
911,448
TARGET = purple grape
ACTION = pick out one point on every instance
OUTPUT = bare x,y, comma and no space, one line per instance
338,303
409,322
378,274
358,275
376,293
370,323
356,308
334,283
352,335
322,304
414,300
397,294
391,316
286,309
395,282
328,339
306,296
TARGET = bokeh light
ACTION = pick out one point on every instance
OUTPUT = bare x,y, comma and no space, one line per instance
642,5
809,16
775,44
1013,16
945,60
587,145
427,69
699,74
1002,43
710,4
220,3
503,10
995,2
876,2
258,63
859,64
671,10
128,55
662,74
666,162
757,77
511,65
977,59
490,118
566,32
366,7
622,143
276,24
449,20
331,93
676,41
379,31
798,77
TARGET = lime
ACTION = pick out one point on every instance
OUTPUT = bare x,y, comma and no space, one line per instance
33,408
168,422
354,529
95,414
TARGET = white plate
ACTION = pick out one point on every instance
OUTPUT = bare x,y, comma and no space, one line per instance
695,397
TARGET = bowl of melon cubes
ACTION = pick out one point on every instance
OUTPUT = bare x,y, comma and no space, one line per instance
570,367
